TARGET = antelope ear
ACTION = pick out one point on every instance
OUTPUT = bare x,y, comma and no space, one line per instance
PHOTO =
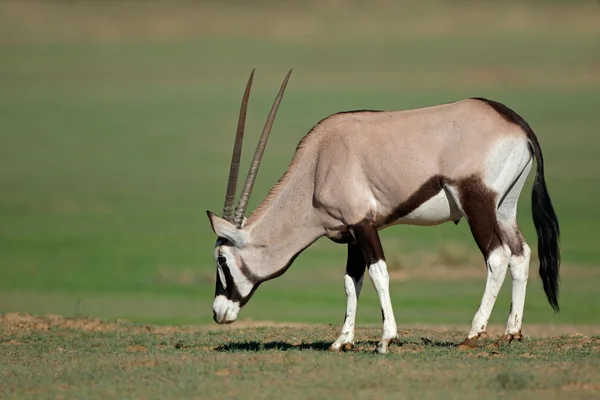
226,229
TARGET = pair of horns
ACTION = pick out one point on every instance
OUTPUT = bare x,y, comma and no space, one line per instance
228,213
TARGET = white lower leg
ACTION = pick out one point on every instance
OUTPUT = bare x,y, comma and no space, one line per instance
519,270
353,288
497,264
381,281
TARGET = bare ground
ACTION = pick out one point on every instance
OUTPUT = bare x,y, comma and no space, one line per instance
18,323
87,357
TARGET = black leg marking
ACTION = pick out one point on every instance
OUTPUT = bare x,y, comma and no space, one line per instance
368,241
479,204
355,263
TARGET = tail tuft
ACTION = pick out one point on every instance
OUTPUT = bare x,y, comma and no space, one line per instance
548,229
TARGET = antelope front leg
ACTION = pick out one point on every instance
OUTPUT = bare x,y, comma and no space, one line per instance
381,282
368,239
353,280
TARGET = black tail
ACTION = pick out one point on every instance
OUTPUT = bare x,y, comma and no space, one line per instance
546,225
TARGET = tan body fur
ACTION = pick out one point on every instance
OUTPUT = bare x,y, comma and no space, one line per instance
367,163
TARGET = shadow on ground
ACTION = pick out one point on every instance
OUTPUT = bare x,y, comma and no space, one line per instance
257,346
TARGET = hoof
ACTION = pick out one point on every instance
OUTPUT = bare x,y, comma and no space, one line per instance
341,347
468,344
507,338
382,348
384,345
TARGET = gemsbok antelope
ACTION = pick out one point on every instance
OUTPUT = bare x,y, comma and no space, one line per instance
357,172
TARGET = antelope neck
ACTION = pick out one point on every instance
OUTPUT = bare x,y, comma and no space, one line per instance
282,226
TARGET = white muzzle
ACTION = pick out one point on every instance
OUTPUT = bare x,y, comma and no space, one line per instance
225,311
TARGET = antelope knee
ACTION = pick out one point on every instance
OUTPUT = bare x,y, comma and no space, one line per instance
498,262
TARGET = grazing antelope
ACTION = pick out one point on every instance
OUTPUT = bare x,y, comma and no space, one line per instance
358,172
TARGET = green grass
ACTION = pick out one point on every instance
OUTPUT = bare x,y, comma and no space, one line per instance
114,141
49,358
116,126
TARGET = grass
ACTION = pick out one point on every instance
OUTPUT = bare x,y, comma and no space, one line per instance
95,359
116,126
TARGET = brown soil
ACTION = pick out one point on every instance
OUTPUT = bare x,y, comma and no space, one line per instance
137,349
17,323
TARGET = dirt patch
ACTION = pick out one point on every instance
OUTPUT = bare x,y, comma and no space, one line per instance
410,348
12,323
12,342
491,354
137,349
528,355
17,323
591,387
529,330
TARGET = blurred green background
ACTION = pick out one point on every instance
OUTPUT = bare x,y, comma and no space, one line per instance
117,120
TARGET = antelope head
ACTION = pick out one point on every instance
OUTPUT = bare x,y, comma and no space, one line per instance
235,283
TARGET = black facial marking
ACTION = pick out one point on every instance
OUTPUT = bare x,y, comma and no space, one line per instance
231,292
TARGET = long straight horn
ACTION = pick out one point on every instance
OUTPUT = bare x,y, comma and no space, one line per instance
237,153
260,149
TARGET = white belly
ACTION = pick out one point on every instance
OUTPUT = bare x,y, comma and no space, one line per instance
437,210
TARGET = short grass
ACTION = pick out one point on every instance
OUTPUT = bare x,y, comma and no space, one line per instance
53,357
116,125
